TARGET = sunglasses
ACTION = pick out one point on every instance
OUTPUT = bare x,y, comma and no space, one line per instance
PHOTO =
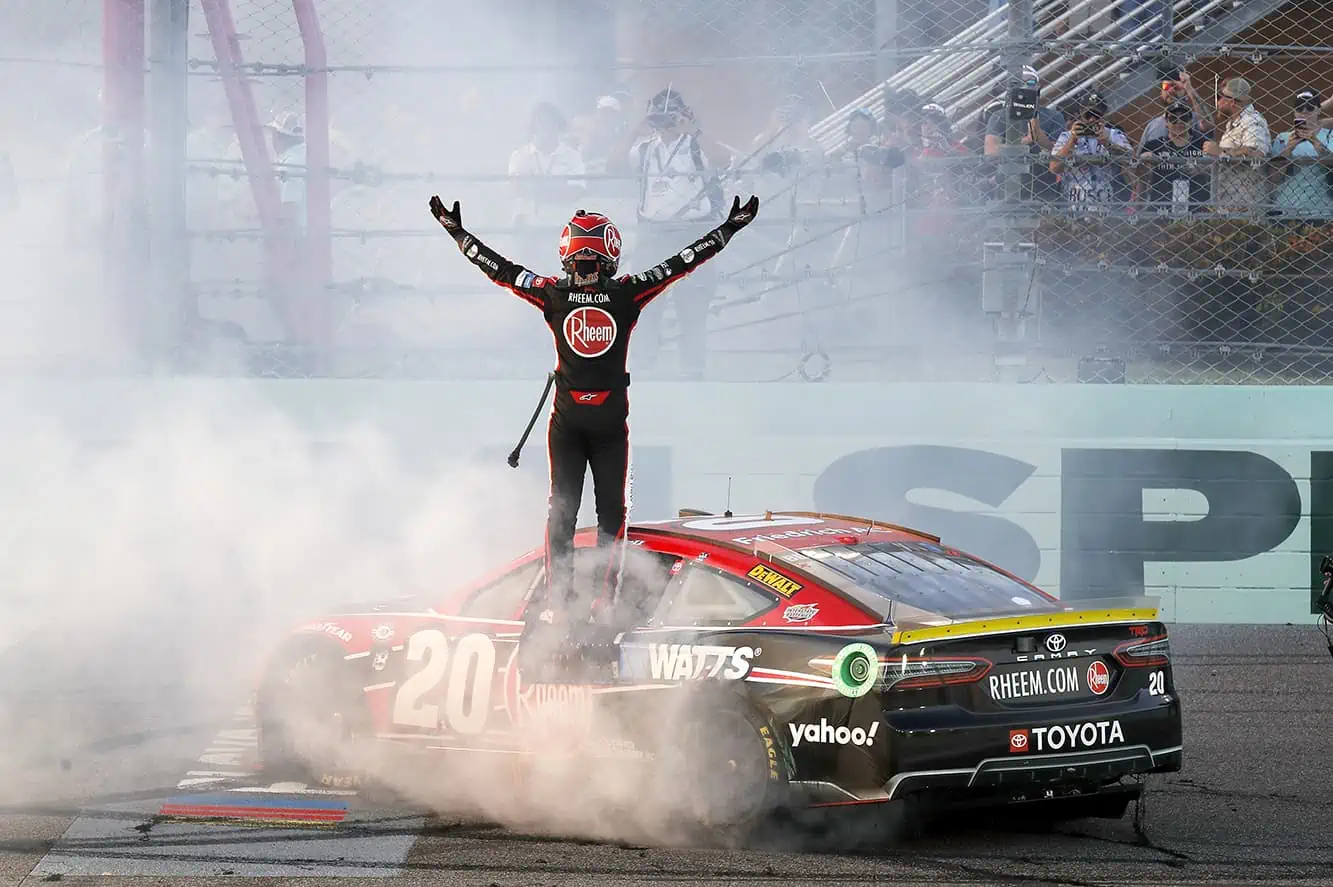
1229,97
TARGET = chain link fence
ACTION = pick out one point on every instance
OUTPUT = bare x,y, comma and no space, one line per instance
55,189
1159,221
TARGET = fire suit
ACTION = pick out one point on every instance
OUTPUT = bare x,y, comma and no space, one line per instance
589,421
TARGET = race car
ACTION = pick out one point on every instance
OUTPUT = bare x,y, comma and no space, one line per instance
777,661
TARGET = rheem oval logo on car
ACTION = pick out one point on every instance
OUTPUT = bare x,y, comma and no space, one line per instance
1099,677
589,331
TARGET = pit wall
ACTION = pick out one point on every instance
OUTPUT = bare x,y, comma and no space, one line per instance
1217,500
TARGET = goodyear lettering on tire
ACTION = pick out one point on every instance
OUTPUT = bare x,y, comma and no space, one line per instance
855,670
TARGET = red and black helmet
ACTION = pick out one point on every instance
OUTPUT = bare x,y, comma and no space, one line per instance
590,237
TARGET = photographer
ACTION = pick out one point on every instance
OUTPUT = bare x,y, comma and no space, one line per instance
1039,183
1303,157
677,170
1088,185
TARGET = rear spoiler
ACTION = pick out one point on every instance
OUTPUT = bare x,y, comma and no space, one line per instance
1035,622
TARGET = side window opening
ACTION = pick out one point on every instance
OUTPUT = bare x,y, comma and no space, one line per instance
705,596
503,597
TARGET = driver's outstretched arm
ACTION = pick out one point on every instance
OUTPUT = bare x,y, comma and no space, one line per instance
514,277
653,282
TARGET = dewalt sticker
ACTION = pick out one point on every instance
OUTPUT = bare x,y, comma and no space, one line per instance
774,580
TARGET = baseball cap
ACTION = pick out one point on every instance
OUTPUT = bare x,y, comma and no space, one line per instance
1093,101
1179,111
1306,100
289,124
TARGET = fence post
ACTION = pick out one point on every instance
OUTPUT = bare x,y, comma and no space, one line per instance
125,253
171,310
1009,271
318,275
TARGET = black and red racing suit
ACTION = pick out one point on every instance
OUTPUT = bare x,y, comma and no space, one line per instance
589,422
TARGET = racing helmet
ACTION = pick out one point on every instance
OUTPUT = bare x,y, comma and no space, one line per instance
590,237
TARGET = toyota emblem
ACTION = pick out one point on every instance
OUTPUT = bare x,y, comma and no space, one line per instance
1056,643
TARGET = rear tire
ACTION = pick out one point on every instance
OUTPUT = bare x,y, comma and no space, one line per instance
724,773
310,716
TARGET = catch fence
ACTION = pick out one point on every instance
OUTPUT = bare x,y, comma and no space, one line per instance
909,229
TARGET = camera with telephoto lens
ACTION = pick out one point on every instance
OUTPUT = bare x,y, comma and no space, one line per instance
889,158
1022,102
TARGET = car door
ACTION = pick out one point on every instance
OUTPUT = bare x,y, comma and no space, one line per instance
459,687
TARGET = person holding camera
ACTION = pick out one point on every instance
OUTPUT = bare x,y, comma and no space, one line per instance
1042,130
1090,184
1303,159
677,170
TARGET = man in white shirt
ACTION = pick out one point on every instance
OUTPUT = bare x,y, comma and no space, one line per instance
289,159
676,166
543,196
1239,187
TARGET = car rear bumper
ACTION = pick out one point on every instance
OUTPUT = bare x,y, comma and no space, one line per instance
1100,766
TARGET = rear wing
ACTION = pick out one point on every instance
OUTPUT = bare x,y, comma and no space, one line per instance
1113,611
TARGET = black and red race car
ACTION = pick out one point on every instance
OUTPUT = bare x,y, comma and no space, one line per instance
784,660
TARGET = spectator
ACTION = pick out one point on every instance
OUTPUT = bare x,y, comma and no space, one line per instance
1089,185
866,149
1042,130
975,139
677,167
1303,157
602,131
542,195
289,159
788,129
1244,134
1175,180
1176,86
931,185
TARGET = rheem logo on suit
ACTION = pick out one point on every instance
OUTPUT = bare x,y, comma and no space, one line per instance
590,331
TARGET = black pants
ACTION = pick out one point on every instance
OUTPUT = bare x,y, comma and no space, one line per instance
579,437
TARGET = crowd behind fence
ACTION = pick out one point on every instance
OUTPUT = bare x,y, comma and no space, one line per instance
1163,216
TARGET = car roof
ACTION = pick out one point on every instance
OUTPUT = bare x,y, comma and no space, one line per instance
774,531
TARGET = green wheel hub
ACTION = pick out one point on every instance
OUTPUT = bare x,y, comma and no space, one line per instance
855,670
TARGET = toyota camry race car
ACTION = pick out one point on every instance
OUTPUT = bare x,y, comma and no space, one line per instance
784,660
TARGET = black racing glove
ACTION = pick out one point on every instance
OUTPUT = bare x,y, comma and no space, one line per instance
450,219
738,218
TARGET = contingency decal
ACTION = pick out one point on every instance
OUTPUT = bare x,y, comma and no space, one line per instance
774,580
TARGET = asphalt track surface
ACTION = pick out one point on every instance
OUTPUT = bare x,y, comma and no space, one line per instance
1252,806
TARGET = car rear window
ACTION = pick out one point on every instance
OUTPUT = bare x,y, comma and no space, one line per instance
893,578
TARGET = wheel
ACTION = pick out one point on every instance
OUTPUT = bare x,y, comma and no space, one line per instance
310,715
724,773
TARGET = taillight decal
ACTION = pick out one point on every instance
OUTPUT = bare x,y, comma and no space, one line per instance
1144,652
908,672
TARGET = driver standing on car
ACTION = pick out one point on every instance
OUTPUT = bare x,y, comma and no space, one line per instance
591,313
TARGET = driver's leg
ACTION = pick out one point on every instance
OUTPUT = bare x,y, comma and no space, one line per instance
545,633
609,459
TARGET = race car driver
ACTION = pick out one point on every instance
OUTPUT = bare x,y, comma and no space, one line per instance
591,313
